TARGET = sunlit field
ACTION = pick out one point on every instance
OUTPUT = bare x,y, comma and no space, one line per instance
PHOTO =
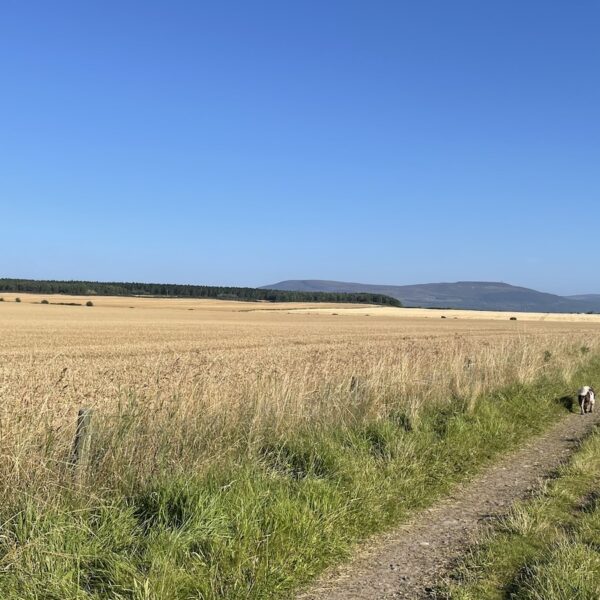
230,373
277,419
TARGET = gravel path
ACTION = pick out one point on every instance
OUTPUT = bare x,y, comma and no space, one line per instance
409,561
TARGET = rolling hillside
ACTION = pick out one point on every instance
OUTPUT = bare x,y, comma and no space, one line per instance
586,297
477,295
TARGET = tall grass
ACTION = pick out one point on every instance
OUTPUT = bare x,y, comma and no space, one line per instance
241,473
177,413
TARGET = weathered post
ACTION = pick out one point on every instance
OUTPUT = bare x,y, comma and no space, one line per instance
356,383
81,443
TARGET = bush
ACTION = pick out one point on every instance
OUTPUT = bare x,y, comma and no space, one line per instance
1,299
17,299
89,303
513,318
44,302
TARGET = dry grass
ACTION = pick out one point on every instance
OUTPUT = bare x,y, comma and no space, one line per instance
177,383
237,452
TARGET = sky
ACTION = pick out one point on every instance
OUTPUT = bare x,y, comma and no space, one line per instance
246,142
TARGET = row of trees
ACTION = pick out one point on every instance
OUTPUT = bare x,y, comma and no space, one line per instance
97,288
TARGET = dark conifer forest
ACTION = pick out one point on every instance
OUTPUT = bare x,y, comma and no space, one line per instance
170,290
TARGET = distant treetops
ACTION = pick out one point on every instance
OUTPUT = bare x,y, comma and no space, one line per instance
169,290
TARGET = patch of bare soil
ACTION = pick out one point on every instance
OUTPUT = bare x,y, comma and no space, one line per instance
408,562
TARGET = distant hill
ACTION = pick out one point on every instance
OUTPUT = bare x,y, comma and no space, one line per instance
586,297
477,295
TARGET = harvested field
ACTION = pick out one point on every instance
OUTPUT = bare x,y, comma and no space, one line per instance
437,313
220,367
228,436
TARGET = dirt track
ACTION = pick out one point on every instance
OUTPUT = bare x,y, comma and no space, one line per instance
409,561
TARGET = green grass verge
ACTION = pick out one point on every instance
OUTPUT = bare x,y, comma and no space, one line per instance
548,548
263,525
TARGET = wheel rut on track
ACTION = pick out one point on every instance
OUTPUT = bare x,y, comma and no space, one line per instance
409,561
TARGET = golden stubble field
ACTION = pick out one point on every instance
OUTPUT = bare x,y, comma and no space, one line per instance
177,382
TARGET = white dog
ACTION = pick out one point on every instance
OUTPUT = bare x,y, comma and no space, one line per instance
587,399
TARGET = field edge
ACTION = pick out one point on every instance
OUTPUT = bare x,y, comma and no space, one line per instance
267,524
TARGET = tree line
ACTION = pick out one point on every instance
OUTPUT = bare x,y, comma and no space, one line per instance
171,290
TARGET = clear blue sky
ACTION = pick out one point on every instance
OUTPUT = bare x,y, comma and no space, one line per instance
248,142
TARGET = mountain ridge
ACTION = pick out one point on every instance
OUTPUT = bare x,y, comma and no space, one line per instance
474,295
585,297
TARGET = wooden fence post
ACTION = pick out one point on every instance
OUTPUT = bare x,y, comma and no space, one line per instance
357,384
81,443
